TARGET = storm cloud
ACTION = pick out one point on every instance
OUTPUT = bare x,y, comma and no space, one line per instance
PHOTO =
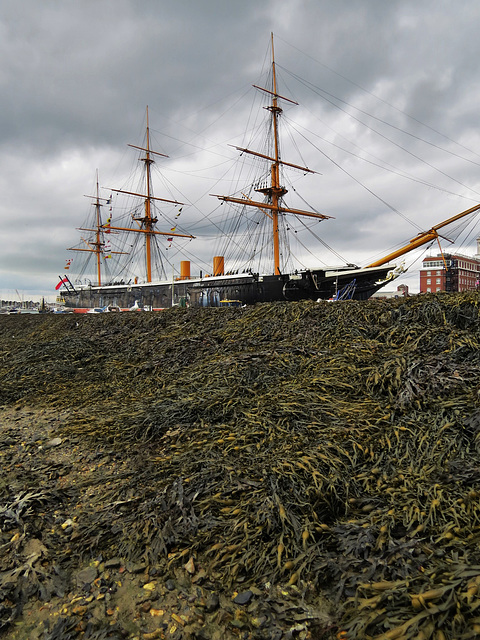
388,98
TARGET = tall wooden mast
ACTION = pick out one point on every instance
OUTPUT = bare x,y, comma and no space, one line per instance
97,245
148,221
98,223
275,191
145,224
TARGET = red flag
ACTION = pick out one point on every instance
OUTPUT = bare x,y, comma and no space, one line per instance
62,281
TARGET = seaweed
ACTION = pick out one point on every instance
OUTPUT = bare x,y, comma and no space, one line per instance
335,445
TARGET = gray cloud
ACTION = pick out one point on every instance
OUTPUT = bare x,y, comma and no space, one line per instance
75,79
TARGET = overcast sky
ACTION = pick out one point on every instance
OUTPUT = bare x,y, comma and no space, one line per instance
388,114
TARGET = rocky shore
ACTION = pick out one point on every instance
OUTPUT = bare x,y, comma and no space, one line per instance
51,588
303,470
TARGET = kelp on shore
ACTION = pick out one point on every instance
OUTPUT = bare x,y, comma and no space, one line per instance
329,444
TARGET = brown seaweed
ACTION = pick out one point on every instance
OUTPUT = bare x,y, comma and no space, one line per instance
335,445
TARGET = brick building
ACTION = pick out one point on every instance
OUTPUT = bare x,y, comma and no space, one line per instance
400,292
450,272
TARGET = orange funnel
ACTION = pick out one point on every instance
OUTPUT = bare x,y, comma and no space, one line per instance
218,266
184,269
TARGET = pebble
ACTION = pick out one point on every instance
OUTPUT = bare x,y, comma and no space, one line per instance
190,566
113,563
85,576
259,622
55,442
212,603
243,598
135,567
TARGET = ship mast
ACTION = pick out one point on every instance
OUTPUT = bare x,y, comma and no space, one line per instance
97,245
145,224
98,223
275,192
148,221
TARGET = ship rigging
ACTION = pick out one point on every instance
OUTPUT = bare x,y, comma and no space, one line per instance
145,225
248,285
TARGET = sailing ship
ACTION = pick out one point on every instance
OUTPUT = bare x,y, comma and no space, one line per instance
157,290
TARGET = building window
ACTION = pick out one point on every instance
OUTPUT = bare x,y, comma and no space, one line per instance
439,281
429,289
429,273
439,273
438,289
429,281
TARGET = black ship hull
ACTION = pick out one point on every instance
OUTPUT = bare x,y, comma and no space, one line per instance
246,289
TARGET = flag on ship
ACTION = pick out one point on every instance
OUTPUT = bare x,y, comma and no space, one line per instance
62,281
